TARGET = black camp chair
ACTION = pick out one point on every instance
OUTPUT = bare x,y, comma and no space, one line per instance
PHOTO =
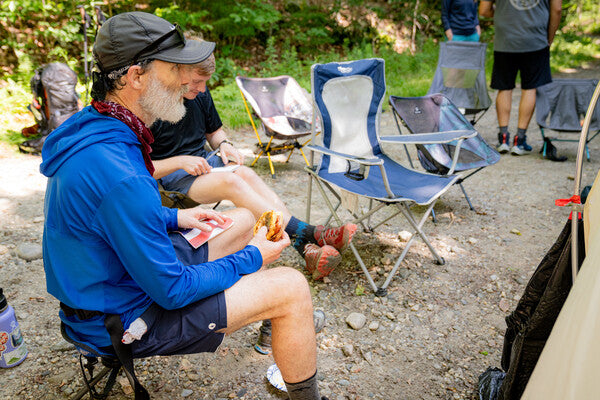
460,76
436,113
285,111
110,364
561,106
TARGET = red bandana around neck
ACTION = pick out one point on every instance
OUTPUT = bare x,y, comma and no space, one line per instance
140,129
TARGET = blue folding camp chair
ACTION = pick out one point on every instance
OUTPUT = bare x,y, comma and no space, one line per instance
436,113
348,97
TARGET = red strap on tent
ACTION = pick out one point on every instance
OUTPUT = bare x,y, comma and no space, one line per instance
563,202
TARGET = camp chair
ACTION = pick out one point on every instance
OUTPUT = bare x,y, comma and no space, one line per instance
111,366
348,97
460,75
435,113
561,106
284,110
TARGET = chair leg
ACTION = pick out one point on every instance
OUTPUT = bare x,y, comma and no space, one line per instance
271,165
289,155
466,196
257,157
91,382
304,156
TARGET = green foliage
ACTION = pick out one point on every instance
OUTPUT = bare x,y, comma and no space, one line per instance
267,38
186,19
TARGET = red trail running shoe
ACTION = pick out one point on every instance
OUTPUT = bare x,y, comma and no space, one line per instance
339,238
320,261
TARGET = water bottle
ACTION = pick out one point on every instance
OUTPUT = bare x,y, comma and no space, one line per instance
12,348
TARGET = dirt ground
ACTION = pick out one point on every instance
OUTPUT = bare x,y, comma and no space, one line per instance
437,330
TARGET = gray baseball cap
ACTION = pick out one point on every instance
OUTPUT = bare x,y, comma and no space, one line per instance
130,37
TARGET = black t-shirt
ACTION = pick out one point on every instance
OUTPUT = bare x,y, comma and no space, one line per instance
188,136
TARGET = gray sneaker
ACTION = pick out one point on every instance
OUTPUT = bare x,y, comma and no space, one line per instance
503,140
263,344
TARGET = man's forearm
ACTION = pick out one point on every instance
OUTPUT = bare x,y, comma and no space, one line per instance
215,138
167,166
554,22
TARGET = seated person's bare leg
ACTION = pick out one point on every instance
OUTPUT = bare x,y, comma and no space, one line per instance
320,247
261,187
234,238
281,294
217,186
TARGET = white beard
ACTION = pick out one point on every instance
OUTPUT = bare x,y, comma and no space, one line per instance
160,102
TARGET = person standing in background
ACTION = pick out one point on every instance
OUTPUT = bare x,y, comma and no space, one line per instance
525,30
460,20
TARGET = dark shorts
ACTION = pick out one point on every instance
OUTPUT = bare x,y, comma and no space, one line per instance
534,67
180,181
188,330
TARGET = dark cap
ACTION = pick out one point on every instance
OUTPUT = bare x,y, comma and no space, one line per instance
130,37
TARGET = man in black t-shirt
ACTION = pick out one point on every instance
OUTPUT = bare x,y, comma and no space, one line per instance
182,164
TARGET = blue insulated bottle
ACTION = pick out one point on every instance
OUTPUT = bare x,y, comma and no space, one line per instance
12,348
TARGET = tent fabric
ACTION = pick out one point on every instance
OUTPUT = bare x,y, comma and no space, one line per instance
460,75
436,113
281,103
562,104
530,324
568,366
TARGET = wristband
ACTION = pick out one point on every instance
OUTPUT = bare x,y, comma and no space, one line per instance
224,141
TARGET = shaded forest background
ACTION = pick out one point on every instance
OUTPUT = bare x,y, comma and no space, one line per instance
267,38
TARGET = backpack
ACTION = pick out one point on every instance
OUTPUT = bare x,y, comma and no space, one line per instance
54,101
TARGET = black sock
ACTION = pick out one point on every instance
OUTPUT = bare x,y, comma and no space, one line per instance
521,132
305,390
504,129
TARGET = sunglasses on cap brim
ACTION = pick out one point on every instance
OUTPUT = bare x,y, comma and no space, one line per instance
175,30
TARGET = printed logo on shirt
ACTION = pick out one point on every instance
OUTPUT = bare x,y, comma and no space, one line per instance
524,4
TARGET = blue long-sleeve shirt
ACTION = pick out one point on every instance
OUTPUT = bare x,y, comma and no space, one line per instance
460,15
106,246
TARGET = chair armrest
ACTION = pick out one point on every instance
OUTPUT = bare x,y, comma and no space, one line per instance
360,160
429,138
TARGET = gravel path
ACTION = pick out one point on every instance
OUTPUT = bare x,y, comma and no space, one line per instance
430,338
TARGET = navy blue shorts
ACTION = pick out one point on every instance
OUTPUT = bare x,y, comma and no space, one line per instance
534,67
180,181
188,330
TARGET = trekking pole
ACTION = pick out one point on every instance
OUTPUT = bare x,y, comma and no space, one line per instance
100,17
85,21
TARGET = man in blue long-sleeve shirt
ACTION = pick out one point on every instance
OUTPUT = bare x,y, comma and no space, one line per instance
107,250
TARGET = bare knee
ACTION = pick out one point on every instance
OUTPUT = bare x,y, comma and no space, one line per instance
245,218
291,287
246,173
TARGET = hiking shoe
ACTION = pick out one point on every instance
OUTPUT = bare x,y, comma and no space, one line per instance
339,238
503,139
320,261
263,344
319,320
520,147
